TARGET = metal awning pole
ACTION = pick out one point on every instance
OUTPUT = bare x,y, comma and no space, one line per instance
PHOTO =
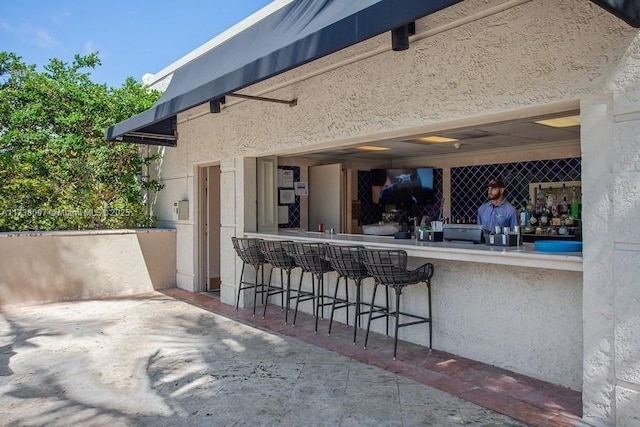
290,103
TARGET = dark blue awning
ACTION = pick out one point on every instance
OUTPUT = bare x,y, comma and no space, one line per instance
627,10
300,32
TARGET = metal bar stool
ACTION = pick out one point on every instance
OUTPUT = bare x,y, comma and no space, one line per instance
248,251
345,260
389,268
276,253
311,257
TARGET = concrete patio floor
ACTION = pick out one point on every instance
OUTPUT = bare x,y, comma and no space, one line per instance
150,359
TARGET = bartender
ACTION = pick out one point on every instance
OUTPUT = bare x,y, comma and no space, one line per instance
497,211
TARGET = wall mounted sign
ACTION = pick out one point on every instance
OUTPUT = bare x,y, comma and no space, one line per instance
301,188
285,178
283,214
287,197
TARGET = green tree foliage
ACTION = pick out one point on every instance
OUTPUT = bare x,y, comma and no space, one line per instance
56,170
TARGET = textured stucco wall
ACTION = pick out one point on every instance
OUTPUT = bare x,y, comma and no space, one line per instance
528,320
524,319
56,266
528,55
477,58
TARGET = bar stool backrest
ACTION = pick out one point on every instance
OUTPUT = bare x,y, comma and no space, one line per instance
276,253
389,267
310,257
248,250
346,261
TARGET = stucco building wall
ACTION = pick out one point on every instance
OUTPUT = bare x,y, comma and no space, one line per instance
473,62
67,265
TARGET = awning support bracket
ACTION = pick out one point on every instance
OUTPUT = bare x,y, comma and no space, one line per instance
291,103
214,105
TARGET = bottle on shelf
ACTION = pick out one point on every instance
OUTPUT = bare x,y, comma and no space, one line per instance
564,205
532,214
575,207
544,217
525,214
551,199
540,200
552,204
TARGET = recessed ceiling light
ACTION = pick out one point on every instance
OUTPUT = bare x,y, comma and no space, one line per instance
372,148
434,139
561,122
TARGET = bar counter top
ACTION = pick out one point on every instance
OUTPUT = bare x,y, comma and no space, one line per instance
524,255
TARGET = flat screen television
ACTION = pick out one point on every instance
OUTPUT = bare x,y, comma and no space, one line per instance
402,187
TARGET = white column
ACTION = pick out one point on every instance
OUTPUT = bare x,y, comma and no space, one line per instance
611,206
626,247
597,297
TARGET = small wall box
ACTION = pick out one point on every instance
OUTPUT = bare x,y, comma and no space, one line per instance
183,210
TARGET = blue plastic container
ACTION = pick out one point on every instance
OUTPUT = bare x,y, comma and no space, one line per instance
558,246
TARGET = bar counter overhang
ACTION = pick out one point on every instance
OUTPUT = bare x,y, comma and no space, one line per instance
524,255
511,307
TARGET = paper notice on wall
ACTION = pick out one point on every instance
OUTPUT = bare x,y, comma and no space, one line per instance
301,188
287,197
283,214
287,178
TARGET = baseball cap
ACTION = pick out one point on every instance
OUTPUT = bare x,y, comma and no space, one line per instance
496,183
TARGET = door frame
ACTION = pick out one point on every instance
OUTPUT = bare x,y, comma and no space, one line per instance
202,264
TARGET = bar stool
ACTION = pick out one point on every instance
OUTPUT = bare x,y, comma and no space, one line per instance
345,260
276,253
311,257
389,268
248,251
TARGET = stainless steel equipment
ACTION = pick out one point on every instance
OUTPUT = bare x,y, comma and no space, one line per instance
463,233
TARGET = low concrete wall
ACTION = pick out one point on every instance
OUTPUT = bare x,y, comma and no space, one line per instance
65,265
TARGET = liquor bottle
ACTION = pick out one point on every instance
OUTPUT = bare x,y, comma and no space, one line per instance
564,205
575,207
530,211
544,217
551,199
525,215
540,200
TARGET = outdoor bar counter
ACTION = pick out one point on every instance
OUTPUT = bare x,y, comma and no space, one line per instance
512,307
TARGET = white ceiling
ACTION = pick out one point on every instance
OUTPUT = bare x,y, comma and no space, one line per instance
484,137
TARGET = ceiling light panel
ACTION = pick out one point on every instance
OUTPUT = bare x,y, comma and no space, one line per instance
435,139
372,148
561,122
